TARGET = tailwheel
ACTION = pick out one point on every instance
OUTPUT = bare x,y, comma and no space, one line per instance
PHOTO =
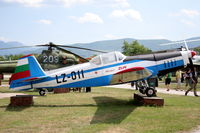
150,92
42,92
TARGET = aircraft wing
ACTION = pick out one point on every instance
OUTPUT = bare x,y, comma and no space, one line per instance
131,74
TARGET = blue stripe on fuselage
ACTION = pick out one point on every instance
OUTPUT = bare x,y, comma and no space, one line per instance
99,81
155,69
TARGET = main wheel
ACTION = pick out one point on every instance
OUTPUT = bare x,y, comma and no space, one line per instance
150,92
42,92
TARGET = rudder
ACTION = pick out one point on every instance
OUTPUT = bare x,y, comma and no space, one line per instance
27,69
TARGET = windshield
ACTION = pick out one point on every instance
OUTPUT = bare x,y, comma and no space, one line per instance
96,60
119,56
107,58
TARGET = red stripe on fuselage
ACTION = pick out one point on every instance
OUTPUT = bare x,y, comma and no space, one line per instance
131,70
20,75
35,78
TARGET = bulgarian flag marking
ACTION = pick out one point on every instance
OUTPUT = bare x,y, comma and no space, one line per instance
21,70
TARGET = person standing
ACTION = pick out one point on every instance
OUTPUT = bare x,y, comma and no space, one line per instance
178,79
187,78
192,82
168,81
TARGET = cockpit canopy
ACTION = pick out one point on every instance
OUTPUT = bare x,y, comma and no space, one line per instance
107,58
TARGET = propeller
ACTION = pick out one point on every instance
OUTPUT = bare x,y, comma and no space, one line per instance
192,53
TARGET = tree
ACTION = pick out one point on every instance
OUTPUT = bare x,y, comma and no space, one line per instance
10,57
1,58
134,48
197,49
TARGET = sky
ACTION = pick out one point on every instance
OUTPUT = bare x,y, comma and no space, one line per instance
82,21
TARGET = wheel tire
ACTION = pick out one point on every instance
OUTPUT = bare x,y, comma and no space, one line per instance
150,92
42,92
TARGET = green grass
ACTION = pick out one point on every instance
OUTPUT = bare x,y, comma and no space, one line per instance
105,110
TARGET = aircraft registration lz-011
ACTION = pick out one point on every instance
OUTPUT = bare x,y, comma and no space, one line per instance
104,69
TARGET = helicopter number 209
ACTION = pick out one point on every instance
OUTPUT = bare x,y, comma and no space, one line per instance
50,59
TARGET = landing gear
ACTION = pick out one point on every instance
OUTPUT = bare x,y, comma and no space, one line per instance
145,89
142,90
42,92
150,92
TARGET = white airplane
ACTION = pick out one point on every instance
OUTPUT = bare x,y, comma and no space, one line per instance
105,69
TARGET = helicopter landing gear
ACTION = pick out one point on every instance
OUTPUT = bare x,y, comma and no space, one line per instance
145,89
42,92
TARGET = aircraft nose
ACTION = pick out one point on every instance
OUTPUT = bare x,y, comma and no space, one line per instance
193,53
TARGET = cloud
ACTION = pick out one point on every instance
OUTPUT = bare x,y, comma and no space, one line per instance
190,13
121,3
45,21
187,22
129,13
69,3
88,17
30,3
185,12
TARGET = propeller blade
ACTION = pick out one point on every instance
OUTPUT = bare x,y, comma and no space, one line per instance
186,46
179,42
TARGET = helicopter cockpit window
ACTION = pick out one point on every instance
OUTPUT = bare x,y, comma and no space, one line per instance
96,60
109,58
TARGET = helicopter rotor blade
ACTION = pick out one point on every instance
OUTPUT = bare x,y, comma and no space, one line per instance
72,53
68,46
55,45
16,47
82,48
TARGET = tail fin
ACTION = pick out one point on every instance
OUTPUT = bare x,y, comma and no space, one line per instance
27,69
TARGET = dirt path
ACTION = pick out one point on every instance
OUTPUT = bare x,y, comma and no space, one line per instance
159,90
5,95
